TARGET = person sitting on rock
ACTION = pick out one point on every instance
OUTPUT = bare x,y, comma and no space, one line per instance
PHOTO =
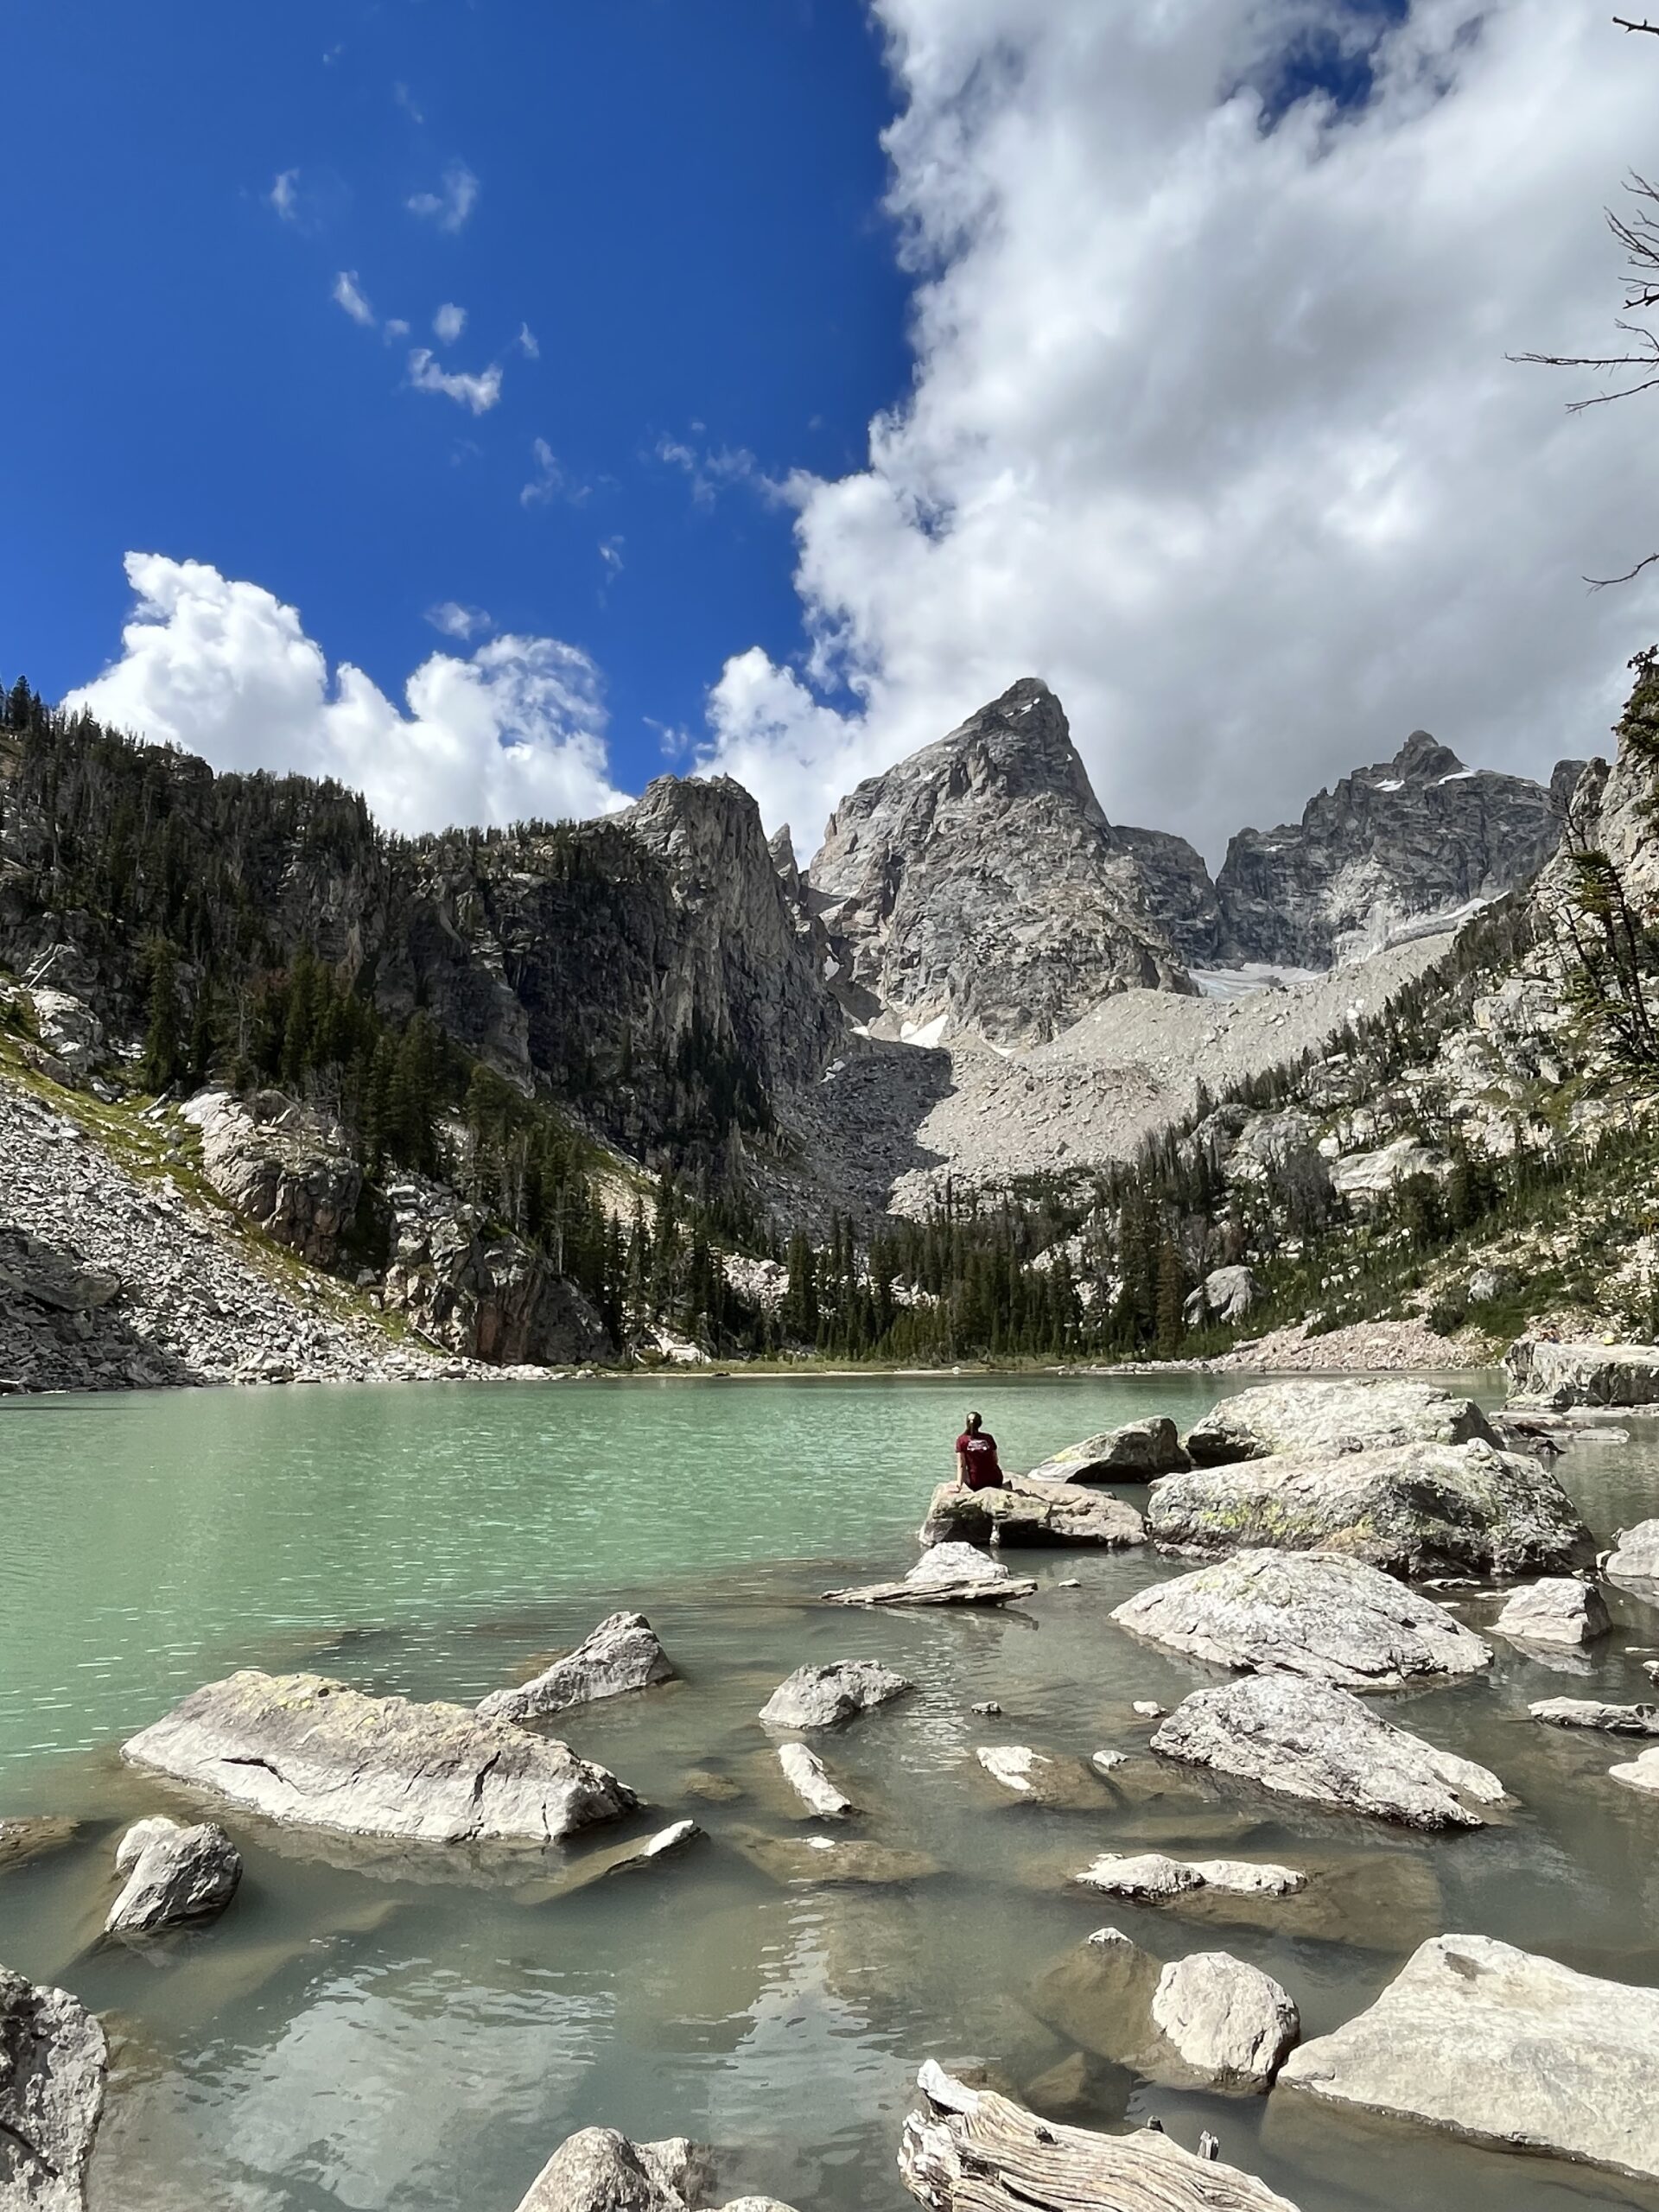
977,1467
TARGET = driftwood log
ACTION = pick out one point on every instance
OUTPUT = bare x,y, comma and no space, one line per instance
968,1589
972,2150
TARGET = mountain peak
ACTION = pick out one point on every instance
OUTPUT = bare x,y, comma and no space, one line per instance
1423,758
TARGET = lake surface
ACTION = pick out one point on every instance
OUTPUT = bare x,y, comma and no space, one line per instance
413,2031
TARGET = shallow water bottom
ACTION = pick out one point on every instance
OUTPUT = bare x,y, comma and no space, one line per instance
376,2028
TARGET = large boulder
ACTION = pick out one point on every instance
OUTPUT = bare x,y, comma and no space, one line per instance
946,1574
1226,1294
1494,2043
622,1653
54,2061
1331,1417
1308,1741
822,1697
1027,1512
1136,1452
1542,1373
1415,1509
599,2169
1559,1613
1635,1555
283,1166
68,1029
1319,1614
1231,2024
303,1749
176,1877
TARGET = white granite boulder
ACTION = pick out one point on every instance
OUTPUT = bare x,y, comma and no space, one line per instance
1333,1416
1560,1613
1138,1451
176,1877
824,1697
1231,2024
622,1655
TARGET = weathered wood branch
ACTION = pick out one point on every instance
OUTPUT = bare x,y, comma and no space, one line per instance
972,2150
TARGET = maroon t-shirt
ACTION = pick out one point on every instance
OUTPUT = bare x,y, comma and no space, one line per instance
981,1471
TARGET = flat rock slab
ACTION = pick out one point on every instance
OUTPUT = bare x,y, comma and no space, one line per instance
1231,2024
1027,1512
1306,1740
824,1697
1138,1451
1498,2045
1321,1614
622,1655
54,2061
946,1574
1332,1417
1152,1878
34,1837
973,2151
1563,1376
176,1877
1038,1778
311,1753
1559,1613
1589,1713
1416,1509
820,1859
806,1775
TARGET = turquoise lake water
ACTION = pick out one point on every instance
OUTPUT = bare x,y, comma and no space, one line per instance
409,2032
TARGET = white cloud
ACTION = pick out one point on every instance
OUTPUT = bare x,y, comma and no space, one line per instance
455,620
711,470
394,327
284,195
479,393
406,100
552,481
1211,424
348,293
528,344
450,206
225,670
610,552
449,321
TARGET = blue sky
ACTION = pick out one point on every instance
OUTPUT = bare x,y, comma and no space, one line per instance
815,369
681,204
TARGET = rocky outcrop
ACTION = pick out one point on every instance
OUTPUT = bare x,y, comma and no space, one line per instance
1306,1740
1176,891
1318,1614
978,886
807,1776
1544,1373
1334,1417
54,2061
176,1877
1152,1878
1415,1509
1232,2025
824,1697
623,1654
1386,849
973,2151
945,1575
1225,1295
301,1749
1497,2045
480,1290
32,1274
286,1168
1559,1612
1029,1512
1135,1452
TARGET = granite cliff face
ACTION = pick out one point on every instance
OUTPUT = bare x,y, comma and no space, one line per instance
1384,849
978,886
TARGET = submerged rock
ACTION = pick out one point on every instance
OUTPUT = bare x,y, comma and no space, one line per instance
1564,1376
1501,2046
1028,1512
806,1774
1038,1778
822,1697
1306,1740
175,1875
833,1859
945,1575
1315,1613
1415,1509
304,1749
1559,1612
34,1837
1587,1713
1230,2023
623,1654
1332,1417
1151,1877
667,1843
54,2061
1138,1449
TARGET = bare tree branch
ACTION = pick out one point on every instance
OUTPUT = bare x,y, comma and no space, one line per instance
1600,583
1624,25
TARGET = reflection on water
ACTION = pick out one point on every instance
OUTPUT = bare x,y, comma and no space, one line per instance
371,2028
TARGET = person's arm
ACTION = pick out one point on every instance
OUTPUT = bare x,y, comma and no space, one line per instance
961,1468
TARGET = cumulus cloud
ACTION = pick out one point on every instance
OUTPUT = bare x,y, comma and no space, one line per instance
1211,424
348,293
455,620
225,670
479,393
449,321
451,204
